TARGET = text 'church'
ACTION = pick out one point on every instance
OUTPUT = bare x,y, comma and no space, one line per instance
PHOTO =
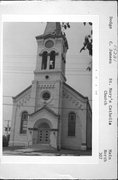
50,112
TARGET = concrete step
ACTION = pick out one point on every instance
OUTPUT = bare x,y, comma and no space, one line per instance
42,147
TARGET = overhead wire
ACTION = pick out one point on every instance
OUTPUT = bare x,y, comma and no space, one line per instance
34,98
8,104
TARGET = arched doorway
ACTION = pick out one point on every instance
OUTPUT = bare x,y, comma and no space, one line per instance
43,133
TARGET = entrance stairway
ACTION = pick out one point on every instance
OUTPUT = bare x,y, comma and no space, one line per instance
42,147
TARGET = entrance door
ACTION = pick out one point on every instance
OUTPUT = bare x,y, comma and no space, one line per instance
43,134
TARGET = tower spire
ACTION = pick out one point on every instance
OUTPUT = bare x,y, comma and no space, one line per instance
53,27
53,30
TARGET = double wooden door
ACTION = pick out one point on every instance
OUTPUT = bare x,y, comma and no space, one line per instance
43,136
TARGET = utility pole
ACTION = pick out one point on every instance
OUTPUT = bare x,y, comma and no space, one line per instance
7,127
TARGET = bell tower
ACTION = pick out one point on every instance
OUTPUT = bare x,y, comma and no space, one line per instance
49,73
51,53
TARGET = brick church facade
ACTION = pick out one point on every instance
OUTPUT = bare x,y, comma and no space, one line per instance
50,112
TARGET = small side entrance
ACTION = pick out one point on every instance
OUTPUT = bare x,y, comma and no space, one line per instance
43,134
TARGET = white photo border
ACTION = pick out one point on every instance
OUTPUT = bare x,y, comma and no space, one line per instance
95,81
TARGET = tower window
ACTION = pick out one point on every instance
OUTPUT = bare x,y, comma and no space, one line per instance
52,60
44,60
71,124
24,120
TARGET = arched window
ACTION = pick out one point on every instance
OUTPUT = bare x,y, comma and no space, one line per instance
52,60
24,120
44,60
71,124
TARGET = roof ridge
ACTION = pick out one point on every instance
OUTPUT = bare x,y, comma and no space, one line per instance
85,97
22,92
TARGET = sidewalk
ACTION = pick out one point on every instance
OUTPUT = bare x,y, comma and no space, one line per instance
43,152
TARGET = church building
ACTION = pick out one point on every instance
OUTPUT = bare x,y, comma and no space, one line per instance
50,112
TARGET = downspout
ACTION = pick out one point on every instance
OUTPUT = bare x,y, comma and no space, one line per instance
58,132
59,118
14,124
86,122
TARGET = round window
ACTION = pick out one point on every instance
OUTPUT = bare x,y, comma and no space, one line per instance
49,44
46,95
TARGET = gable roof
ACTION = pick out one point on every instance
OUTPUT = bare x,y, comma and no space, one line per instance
46,108
15,97
84,97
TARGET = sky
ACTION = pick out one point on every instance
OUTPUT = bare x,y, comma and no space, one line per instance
19,59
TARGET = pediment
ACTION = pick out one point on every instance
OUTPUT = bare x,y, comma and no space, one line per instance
44,109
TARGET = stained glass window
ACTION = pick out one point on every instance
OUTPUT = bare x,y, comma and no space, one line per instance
24,120
71,124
